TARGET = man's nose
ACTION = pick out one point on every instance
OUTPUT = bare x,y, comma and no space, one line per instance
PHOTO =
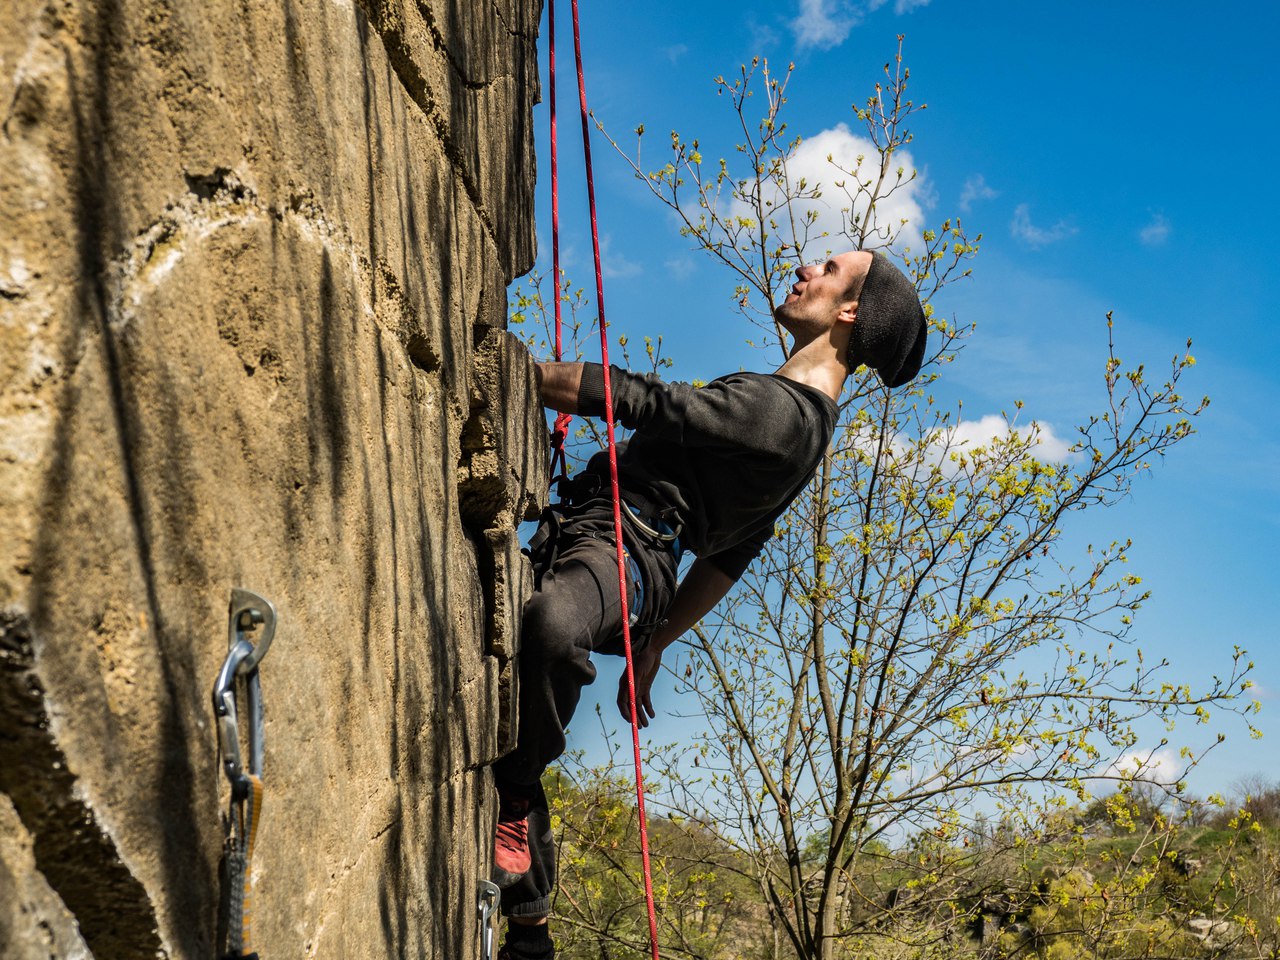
803,272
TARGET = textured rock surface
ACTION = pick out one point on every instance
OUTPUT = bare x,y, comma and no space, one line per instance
253,263
34,923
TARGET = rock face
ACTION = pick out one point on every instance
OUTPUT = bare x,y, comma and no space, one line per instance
253,270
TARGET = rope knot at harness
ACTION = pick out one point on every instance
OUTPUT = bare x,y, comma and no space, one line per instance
560,432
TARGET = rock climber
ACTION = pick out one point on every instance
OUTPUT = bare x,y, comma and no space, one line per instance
708,469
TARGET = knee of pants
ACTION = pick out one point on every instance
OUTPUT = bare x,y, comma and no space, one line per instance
552,632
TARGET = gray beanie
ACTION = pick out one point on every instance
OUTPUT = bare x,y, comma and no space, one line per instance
890,332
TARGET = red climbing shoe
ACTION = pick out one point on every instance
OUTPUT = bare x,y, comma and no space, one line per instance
511,842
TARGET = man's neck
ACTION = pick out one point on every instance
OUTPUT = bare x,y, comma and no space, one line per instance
817,364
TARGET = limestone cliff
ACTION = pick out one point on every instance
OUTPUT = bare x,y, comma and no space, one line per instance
253,263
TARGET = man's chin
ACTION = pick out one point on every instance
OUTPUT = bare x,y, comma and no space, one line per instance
784,313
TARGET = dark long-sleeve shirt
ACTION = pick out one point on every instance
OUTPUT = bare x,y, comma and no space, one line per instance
728,458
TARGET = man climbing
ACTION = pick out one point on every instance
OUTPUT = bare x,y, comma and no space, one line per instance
707,469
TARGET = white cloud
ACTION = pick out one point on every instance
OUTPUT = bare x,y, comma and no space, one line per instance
1023,229
968,435
614,265
823,23
1153,766
1156,232
976,188
681,268
571,259
834,209
675,51
827,23
763,36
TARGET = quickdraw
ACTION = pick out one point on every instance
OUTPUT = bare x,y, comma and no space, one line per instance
248,612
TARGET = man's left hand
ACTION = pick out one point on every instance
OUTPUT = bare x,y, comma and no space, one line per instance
646,663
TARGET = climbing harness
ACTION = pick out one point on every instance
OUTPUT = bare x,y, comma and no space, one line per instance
247,612
490,897
583,490
659,527
561,426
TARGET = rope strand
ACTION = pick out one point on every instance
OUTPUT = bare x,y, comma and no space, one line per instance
561,431
562,421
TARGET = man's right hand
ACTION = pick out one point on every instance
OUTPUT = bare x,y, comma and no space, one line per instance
699,591
645,663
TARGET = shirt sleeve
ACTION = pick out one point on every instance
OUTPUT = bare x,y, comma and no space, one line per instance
726,412
734,561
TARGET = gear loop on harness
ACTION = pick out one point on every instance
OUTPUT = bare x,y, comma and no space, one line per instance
248,613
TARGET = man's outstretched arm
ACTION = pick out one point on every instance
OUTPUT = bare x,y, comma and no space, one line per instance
700,590
558,385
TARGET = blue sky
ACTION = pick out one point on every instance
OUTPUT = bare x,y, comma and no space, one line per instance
1115,156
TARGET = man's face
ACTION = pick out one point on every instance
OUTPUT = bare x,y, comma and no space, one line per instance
821,294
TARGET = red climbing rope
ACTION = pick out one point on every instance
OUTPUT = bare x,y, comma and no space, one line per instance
561,431
562,421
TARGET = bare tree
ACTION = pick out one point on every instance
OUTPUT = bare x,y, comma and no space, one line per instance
904,699
914,646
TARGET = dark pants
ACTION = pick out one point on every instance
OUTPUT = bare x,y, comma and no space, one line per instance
574,612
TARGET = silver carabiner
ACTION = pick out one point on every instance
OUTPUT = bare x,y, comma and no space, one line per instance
490,896
224,710
247,611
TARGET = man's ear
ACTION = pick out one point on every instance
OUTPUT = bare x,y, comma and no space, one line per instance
848,313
